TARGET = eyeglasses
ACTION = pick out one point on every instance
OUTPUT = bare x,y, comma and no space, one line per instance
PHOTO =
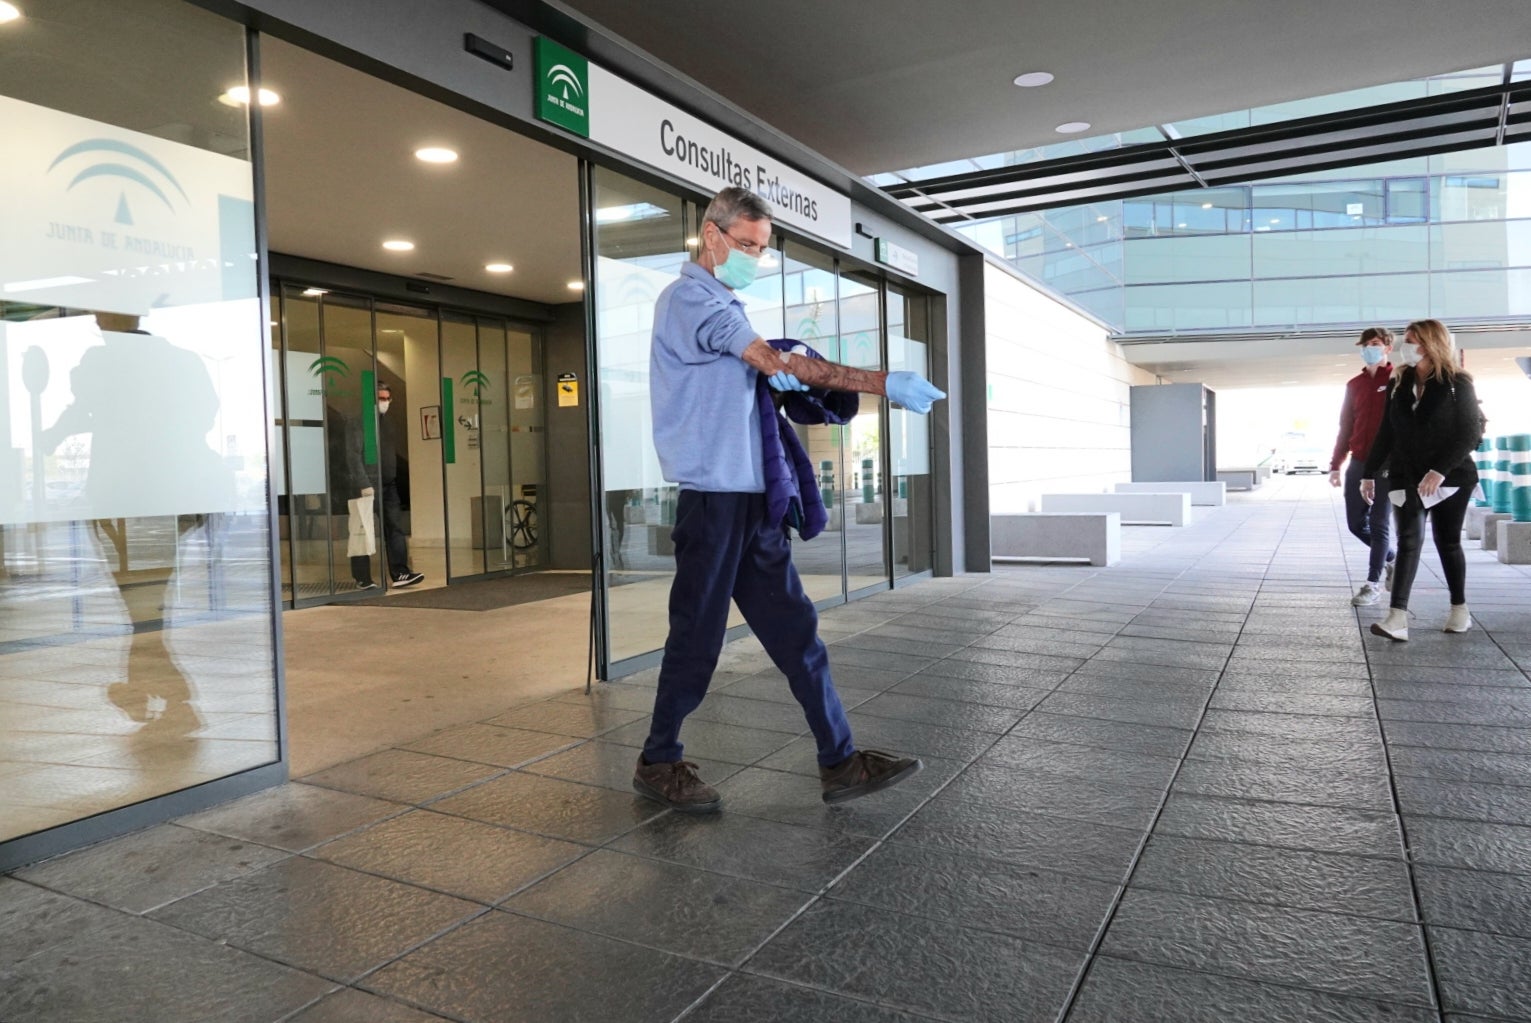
747,247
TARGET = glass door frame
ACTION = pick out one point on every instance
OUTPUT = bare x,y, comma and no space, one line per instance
601,640
279,283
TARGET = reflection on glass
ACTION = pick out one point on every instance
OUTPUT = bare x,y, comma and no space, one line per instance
812,317
909,439
635,261
135,587
866,559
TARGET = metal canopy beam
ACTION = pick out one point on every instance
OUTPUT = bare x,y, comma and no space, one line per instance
1472,119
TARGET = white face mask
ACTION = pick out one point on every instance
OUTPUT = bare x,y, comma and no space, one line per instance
382,405
1409,354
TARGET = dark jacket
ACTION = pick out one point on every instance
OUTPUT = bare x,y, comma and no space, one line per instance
1441,432
792,490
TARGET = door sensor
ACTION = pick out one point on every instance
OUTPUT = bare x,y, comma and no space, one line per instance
481,47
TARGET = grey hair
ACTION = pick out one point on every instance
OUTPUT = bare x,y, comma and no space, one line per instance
733,203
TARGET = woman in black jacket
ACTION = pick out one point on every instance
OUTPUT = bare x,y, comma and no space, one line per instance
1425,443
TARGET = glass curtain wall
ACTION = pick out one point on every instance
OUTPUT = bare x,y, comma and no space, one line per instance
137,612
1447,236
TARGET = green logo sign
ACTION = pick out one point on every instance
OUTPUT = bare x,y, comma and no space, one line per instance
329,365
477,380
563,86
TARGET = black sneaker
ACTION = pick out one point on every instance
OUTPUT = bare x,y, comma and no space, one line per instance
677,786
864,772
366,586
404,579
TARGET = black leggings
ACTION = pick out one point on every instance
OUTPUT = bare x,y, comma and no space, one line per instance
1446,524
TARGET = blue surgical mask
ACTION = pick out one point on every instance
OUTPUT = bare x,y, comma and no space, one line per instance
738,270
1373,355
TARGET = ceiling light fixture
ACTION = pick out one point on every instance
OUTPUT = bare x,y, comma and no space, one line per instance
8,12
315,292
398,245
1101,220
1206,206
436,154
1032,79
239,96
498,268
1072,127
576,285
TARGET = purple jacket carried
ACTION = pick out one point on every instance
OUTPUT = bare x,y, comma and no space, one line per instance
792,488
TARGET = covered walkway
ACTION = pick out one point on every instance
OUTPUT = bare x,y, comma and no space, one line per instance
1190,787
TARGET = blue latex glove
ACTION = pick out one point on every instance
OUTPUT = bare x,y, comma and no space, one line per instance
912,391
781,380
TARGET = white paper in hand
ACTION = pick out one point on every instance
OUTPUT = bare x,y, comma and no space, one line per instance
1397,497
1440,495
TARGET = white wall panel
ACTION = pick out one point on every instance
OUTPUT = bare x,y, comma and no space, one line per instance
1057,397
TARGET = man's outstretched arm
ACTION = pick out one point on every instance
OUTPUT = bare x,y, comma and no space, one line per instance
831,376
910,390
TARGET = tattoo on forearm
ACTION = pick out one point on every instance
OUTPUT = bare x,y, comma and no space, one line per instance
822,373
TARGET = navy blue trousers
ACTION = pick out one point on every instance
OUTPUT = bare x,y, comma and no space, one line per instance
724,550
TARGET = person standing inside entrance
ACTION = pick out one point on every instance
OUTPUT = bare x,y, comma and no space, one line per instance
391,506
703,369
1360,415
1426,442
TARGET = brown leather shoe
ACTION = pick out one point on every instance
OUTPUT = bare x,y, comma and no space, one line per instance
676,786
863,773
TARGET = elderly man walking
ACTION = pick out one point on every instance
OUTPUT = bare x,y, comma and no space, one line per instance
708,428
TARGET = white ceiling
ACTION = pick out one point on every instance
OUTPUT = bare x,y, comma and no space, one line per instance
901,83
341,177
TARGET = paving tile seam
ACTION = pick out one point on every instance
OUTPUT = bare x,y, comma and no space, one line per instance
880,1003
1357,996
1076,985
1242,900
1432,972
419,804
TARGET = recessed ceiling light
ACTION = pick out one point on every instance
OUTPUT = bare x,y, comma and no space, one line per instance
311,292
1032,79
576,285
1072,127
498,268
398,245
239,95
436,154
8,12
1206,206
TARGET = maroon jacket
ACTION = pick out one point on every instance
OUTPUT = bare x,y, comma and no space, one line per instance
1365,402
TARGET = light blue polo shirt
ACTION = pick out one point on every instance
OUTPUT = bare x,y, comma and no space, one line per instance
702,392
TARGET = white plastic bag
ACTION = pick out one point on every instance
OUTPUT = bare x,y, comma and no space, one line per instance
362,541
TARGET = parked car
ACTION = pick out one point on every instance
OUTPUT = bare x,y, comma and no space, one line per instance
1298,460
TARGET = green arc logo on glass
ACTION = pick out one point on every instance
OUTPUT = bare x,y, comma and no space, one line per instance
329,366
476,379
563,86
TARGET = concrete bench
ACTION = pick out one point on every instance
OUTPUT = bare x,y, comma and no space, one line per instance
1208,493
1239,479
1093,536
1135,509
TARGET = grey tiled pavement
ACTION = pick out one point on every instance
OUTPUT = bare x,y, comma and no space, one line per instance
1190,787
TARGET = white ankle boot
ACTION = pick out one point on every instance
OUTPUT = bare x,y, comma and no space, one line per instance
1459,620
1395,626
